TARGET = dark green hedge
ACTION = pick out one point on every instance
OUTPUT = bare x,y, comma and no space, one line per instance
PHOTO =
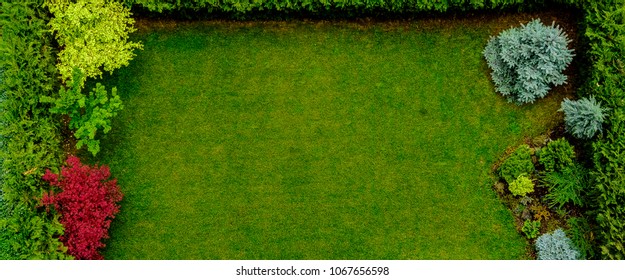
605,33
336,5
30,135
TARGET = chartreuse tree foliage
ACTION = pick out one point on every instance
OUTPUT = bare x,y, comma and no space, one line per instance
89,113
31,136
93,35
87,202
527,61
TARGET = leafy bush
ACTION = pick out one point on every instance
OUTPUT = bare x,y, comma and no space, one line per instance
531,228
555,246
583,118
88,113
581,237
558,155
518,163
529,60
87,203
100,40
566,186
521,186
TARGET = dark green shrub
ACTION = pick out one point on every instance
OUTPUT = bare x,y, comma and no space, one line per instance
527,61
32,136
583,118
557,155
581,237
518,163
531,229
566,186
521,186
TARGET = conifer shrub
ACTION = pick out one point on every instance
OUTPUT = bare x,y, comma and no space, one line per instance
521,186
527,61
518,163
555,246
583,118
557,155
87,202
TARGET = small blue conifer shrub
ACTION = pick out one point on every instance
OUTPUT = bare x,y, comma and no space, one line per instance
555,246
582,118
527,61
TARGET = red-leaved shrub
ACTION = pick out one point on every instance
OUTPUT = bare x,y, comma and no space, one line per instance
87,203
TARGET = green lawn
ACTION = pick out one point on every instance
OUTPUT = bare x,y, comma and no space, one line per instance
314,141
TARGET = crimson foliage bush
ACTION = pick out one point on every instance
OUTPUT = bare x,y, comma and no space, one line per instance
87,204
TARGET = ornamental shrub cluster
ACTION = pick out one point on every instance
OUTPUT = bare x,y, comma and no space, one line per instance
527,61
517,164
87,202
555,246
30,133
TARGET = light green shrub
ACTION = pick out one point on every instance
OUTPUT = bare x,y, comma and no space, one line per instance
521,186
93,34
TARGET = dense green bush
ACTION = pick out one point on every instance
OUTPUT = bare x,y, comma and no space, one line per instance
557,155
99,41
518,163
555,246
566,186
527,61
521,186
583,118
88,113
32,136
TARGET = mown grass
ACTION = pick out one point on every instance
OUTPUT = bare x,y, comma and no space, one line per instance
314,141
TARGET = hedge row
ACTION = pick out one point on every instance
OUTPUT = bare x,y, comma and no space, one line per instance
605,32
31,135
242,6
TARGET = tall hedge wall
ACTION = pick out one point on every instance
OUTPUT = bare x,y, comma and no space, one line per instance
321,5
605,33
30,135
